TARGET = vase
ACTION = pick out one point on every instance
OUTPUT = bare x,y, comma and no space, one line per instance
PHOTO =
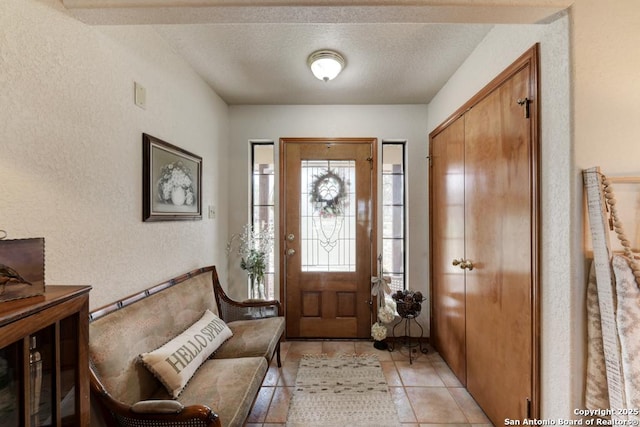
35,373
257,287
178,196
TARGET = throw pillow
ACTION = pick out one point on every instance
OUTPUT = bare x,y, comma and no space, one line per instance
175,362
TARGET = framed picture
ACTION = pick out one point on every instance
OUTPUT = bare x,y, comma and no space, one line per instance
171,182
21,268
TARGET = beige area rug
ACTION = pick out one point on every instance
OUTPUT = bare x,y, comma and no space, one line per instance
340,391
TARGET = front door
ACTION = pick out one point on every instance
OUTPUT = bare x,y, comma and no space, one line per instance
327,211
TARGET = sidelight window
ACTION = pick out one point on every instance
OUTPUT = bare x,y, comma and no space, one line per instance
263,201
394,213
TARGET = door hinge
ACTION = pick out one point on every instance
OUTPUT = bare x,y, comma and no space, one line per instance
528,402
430,160
524,102
370,160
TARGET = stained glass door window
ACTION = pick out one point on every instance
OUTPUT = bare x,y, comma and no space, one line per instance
328,215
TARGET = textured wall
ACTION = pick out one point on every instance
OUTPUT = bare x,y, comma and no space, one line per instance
562,348
71,150
607,87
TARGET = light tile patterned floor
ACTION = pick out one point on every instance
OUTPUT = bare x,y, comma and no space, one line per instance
426,393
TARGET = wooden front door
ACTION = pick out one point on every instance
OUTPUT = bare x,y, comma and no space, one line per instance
327,216
500,242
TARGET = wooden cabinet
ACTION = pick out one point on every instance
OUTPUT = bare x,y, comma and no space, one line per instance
484,211
54,389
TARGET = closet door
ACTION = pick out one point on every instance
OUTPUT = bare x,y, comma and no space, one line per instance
485,309
447,237
499,242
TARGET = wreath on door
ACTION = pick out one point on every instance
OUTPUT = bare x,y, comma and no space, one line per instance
328,194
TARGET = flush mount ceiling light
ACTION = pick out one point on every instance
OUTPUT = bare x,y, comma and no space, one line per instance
325,64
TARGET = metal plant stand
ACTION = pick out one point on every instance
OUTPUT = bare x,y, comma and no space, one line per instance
411,343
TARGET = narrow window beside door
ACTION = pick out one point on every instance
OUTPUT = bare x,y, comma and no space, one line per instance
393,213
263,201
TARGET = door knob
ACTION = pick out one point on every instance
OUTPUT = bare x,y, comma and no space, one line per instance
464,264
291,251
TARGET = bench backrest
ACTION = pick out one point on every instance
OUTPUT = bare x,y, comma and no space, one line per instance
120,332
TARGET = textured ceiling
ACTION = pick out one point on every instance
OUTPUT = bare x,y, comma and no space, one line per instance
267,63
255,52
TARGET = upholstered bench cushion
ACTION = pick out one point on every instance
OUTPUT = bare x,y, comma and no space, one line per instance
251,338
227,386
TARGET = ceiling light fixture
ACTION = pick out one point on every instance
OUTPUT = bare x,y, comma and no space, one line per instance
325,64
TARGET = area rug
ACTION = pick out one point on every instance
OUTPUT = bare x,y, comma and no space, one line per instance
340,391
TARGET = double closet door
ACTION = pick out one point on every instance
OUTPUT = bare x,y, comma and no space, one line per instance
483,205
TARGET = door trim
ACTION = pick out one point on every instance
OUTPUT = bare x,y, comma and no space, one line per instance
529,58
373,142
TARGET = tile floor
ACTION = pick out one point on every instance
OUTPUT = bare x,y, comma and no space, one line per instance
426,393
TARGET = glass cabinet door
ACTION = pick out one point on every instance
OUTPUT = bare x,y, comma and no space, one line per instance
10,374
44,371
68,371
41,358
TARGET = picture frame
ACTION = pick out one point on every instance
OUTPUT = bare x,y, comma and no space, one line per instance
171,182
21,268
